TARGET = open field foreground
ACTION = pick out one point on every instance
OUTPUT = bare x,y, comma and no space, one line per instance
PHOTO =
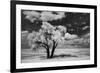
60,55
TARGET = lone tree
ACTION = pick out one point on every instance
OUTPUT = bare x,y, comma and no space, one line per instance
48,36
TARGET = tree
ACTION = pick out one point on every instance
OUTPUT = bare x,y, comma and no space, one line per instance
48,36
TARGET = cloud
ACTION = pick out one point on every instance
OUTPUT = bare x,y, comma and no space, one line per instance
43,16
60,15
84,28
32,15
47,16
70,36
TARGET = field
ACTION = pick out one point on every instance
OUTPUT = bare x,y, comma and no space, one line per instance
29,56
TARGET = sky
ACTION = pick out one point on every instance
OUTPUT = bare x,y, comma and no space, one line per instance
76,23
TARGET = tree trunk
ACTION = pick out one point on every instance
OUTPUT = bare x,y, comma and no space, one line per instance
47,49
53,49
48,53
52,52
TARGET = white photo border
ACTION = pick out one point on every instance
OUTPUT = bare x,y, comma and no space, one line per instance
51,64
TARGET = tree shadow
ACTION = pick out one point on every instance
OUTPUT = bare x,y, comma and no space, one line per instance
64,55
59,56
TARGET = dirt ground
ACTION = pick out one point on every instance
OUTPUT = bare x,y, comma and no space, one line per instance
29,56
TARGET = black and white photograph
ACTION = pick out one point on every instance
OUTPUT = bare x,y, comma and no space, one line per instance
54,36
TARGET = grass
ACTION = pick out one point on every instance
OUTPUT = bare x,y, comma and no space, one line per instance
60,55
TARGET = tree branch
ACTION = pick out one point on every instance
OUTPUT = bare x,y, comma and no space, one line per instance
56,44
